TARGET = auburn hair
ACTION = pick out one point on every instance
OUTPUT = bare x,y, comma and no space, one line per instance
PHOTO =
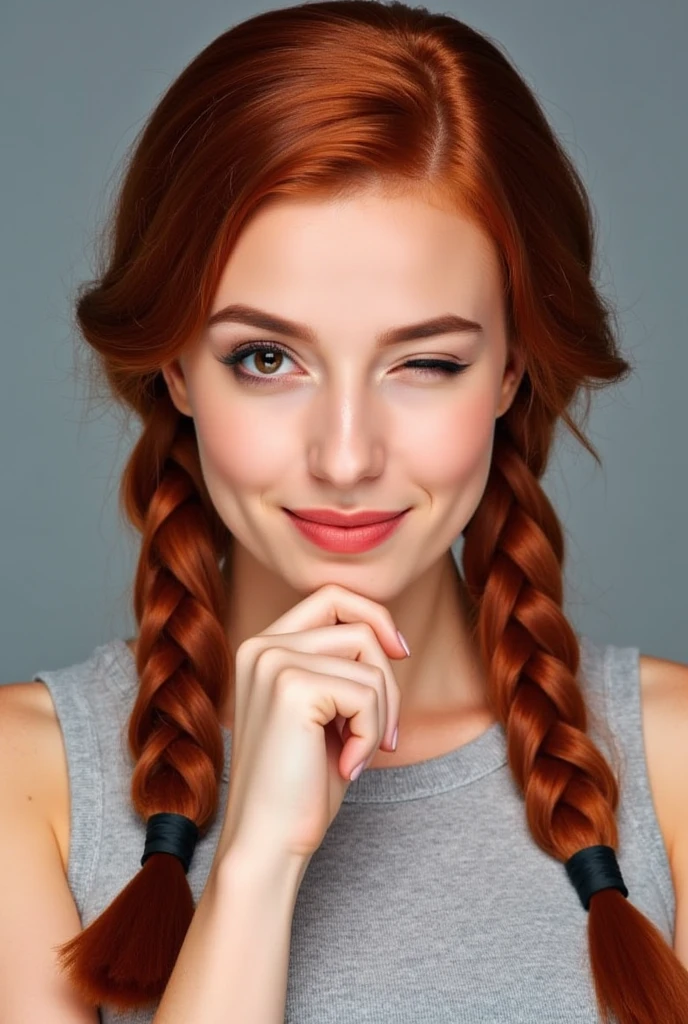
329,99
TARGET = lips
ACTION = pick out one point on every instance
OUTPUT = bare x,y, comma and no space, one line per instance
330,517
349,540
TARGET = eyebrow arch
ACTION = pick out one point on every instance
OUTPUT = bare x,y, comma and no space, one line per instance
448,323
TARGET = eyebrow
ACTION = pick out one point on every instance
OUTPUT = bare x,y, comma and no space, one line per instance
447,323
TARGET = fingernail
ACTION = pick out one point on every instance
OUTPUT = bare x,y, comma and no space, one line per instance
357,771
403,643
394,738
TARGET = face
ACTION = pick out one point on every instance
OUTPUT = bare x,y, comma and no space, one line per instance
343,421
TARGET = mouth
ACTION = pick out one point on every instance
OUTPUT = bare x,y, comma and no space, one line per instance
347,539
349,520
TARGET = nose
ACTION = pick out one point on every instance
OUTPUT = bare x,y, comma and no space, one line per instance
346,437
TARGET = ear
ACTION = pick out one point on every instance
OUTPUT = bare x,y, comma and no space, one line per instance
176,385
513,375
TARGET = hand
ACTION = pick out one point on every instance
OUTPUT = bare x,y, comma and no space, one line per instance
315,695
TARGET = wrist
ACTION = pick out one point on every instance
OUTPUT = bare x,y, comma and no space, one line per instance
274,871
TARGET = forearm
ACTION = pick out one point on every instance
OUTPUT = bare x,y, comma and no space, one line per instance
233,964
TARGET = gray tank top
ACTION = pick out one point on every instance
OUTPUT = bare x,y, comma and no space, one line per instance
428,900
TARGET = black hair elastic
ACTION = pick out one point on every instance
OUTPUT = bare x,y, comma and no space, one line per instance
592,869
170,833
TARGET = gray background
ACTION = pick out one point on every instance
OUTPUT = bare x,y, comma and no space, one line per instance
78,78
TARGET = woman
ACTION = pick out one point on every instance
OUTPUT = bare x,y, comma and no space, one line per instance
350,270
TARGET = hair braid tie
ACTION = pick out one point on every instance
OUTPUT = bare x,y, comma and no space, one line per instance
170,833
593,869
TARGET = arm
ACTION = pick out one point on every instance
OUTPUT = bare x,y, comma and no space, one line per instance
664,690
37,909
232,967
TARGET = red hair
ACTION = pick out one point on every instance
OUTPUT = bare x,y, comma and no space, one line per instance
329,99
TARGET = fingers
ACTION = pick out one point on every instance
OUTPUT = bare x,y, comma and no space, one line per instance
324,696
355,642
333,604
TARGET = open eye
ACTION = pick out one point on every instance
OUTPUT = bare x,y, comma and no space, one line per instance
243,352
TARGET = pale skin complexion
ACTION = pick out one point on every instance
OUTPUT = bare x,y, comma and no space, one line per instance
344,423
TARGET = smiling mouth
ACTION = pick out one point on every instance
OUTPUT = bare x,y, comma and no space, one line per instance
332,517
346,539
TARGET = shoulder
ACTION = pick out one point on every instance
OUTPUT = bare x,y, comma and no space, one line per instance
664,699
39,913
32,757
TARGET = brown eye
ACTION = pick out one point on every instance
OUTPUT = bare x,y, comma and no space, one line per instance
269,358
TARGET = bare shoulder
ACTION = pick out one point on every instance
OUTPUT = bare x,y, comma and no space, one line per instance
33,756
664,697
39,913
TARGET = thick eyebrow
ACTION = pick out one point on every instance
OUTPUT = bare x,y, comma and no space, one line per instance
448,323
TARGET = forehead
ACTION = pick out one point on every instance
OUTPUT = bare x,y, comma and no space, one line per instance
390,253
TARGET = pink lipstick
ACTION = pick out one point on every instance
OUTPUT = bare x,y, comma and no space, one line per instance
350,539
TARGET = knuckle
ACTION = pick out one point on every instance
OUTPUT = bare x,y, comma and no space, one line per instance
367,630
377,675
246,648
371,695
268,661
264,658
286,679
331,590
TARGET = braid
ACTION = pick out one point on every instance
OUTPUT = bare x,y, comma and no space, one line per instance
183,665
513,563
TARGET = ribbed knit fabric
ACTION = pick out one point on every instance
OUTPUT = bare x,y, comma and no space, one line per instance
428,900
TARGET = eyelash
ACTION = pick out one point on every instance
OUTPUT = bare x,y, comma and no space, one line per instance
430,367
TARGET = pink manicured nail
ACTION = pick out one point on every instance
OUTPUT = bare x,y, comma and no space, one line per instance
357,771
403,643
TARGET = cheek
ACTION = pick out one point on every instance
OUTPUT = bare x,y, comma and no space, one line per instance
450,444
239,443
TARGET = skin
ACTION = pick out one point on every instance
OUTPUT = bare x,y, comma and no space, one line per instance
345,424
